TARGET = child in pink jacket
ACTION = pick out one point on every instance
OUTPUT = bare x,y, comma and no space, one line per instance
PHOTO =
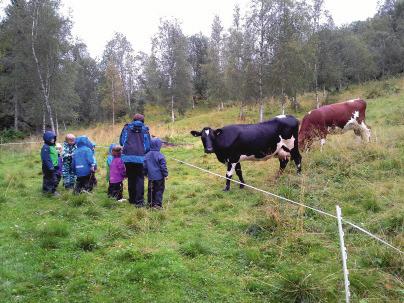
117,174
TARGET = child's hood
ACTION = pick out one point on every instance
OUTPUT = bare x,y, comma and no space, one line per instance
110,148
84,141
48,136
156,144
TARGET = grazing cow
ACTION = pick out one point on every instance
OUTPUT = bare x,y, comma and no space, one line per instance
333,119
234,143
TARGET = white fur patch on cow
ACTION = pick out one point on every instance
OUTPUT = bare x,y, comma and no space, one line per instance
309,112
353,100
231,171
352,123
289,143
207,132
281,116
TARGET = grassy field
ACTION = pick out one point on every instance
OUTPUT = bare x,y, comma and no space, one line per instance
207,245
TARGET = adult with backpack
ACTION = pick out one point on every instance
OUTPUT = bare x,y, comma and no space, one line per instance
135,139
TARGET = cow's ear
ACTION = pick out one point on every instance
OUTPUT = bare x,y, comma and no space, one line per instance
218,131
196,133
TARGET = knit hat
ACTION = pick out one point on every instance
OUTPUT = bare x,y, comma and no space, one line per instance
138,117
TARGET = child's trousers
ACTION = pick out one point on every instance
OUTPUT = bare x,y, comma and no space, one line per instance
50,181
155,192
115,190
83,183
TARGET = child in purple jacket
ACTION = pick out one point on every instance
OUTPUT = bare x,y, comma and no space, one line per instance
117,173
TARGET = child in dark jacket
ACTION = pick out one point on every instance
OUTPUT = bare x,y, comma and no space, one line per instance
49,157
83,165
117,173
156,171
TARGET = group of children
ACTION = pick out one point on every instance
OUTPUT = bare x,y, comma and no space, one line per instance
75,162
154,166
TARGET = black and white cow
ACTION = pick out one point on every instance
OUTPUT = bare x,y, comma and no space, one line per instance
232,144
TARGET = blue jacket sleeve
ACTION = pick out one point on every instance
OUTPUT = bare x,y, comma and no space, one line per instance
146,141
163,166
45,157
91,158
123,136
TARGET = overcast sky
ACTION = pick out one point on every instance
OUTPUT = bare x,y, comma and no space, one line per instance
95,21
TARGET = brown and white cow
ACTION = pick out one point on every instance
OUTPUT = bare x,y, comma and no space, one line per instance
333,119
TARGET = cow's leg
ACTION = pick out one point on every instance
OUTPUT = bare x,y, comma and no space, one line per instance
240,174
282,166
297,158
230,171
365,131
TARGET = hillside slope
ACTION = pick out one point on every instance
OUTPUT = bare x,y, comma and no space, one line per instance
207,245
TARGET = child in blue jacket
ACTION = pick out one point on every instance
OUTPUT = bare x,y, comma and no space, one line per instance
50,163
84,165
155,169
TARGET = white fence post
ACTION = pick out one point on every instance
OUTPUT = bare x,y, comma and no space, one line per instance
343,254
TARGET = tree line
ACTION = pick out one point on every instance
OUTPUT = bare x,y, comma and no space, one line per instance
278,49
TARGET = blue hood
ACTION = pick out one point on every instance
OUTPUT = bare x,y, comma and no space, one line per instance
84,141
48,136
110,148
135,123
155,144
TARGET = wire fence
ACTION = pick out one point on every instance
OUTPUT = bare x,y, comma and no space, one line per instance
291,201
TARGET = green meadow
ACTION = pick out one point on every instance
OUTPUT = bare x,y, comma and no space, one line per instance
207,245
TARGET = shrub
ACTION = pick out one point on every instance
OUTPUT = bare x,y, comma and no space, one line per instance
128,255
134,224
380,89
298,286
263,225
9,135
384,259
92,212
394,223
194,248
49,243
78,200
50,232
54,229
108,203
86,242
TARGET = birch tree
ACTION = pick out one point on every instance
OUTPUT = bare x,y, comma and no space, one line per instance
259,21
170,48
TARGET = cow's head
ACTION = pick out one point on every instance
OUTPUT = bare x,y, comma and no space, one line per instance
208,137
